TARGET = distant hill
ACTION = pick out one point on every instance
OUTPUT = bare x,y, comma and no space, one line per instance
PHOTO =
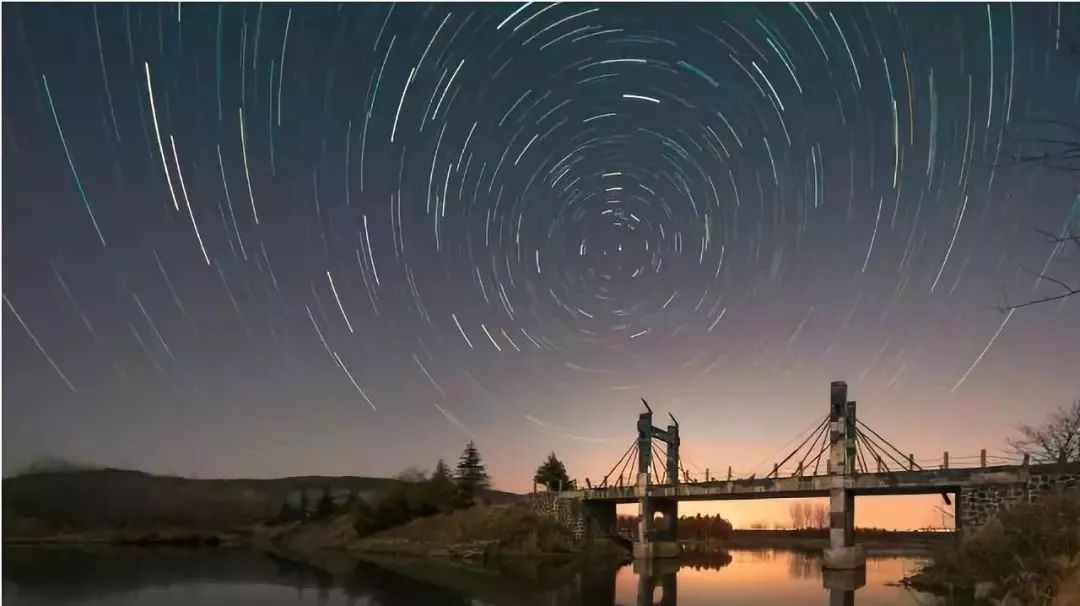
76,501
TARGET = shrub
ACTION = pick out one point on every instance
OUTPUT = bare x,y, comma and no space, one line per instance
408,501
1025,551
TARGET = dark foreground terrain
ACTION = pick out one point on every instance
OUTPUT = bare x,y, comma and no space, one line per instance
114,505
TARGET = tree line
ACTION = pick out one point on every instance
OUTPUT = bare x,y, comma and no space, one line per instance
690,528
807,515
415,495
419,496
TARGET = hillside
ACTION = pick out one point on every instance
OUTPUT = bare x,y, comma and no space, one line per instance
480,531
44,504
477,532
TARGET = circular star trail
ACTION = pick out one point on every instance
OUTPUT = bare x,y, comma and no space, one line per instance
274,234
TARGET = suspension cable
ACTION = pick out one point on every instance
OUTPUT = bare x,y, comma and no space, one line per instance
608,474
821,451
802,462
899,462
859,454
797,448
633,448
889,444
870,447
786,444
660,470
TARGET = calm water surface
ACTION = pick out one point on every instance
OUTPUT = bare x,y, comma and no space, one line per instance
136,577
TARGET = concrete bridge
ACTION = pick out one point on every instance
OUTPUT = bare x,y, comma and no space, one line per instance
846,445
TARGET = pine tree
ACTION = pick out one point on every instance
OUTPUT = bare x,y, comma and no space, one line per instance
552,474
441,473
471,475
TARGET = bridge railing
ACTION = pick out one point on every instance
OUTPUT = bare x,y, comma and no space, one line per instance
945,461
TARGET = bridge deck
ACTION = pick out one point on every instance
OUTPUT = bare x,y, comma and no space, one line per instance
929,481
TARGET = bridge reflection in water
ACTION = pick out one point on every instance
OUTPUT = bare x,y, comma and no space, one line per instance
749,576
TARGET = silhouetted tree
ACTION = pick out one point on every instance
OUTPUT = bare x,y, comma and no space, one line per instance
807,515
552,474
411,499
1055,441
412,474
442,472
471,475
443,492
703,528
798,513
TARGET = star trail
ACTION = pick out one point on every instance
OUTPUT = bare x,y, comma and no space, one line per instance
263,239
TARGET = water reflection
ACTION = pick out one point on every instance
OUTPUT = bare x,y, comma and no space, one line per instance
842,585
766,576
804,565
137,577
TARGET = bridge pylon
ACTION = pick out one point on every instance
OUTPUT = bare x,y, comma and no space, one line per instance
656,541
842,552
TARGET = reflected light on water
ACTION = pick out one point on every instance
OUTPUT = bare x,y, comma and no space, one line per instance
775,577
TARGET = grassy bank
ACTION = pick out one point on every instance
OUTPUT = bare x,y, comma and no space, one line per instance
482,532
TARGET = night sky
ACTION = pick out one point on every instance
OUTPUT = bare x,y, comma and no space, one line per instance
265,240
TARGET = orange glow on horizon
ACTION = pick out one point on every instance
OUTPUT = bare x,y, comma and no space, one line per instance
908,512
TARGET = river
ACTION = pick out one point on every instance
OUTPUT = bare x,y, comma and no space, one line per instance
236,577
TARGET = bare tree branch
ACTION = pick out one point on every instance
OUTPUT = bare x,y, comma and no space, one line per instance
1055,441
1059,154
1037,301
1053,239
1052,279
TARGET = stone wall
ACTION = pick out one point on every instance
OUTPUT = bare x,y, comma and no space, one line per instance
977,504
586,520
1040,484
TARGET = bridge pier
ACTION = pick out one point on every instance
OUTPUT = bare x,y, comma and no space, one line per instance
656,540
842,552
